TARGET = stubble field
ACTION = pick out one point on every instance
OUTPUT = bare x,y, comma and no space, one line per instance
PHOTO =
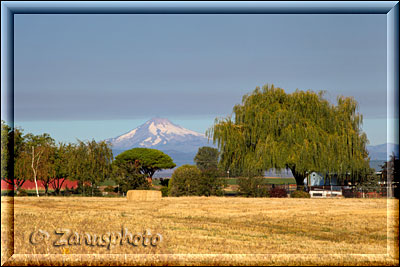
270,231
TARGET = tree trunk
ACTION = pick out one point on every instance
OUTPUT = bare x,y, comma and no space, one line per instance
18,185
55,184
299,177
35,166
46,184
46,189
34,170
59,186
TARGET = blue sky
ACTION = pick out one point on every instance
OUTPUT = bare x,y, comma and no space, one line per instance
98,76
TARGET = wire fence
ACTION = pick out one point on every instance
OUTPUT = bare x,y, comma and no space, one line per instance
381,191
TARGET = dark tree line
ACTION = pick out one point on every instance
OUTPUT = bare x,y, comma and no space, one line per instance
37,158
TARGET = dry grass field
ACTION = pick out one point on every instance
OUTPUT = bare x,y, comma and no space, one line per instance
274,231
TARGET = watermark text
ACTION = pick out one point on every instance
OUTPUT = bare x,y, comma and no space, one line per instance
67,237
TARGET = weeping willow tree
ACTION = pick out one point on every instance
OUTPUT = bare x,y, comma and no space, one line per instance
90,163
301,131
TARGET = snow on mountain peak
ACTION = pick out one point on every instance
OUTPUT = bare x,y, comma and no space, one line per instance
165,127
157,133
127,135
159,121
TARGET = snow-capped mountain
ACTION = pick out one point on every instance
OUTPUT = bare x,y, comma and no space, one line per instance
179,143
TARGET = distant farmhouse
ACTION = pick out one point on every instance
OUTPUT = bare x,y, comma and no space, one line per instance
315,182
317,179
319,185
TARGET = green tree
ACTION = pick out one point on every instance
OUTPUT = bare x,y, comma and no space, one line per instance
14,160
6,135
41,149
150,160
253,187
301,131
206,158
90,163
188,180
185,181
390,174
22,160
127,175
46,172
212,182
371,183
30,154
61,166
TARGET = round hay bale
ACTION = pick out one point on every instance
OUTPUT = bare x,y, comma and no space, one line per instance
143,195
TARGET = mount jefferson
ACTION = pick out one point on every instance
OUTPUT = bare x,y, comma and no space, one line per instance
179,143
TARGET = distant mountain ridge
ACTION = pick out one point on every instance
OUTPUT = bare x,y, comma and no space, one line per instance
379,152
179,143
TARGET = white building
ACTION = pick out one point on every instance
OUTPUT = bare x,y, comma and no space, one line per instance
318,186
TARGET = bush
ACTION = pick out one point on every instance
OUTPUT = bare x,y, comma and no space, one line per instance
9,193
85,190
109,189
188,180
67,192
211,183
185,181
97,192
164,181
213,173
132,181
82,189
253,187
22,193
278,192
210,186
164,191
299,194
219,184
